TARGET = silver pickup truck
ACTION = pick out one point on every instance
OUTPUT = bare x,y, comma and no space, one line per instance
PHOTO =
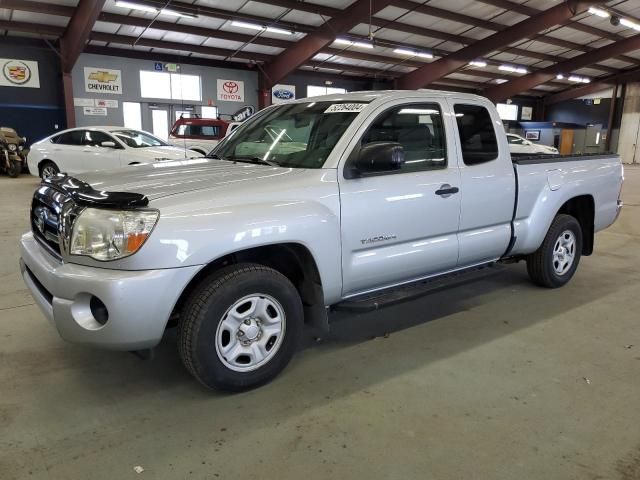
309,205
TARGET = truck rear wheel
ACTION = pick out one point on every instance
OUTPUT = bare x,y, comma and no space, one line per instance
556,261
240,327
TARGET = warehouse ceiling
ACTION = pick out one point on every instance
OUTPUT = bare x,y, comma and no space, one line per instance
535,47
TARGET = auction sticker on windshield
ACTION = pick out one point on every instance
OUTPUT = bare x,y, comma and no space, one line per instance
345,107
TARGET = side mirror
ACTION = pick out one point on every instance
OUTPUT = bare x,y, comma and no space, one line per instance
528,142
373,158
108,144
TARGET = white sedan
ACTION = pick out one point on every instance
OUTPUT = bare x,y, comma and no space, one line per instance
89,149
521,145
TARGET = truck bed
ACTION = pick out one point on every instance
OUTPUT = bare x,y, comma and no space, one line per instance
546,182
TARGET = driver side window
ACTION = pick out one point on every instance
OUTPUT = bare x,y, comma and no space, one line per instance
419,129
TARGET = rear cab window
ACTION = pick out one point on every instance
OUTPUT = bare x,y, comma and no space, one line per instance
478,140
199,129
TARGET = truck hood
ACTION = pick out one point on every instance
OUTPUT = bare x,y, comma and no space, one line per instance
164,178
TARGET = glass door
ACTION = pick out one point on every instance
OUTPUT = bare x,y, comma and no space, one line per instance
160,123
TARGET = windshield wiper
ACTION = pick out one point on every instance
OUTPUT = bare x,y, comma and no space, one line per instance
256,160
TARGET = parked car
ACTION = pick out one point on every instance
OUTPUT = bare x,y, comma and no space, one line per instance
521,146
198,134
87,149
344,201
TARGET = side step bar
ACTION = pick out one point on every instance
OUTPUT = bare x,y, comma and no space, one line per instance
392,296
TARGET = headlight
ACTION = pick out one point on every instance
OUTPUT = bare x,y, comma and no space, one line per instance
111,234
20,147
13,147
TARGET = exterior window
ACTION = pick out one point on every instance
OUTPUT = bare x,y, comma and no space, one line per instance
419,129
477,135
170,86
132,115
74,137
209,112
316,90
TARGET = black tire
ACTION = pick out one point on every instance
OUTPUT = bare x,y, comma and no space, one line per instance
207,307
541,263
15,167
48,165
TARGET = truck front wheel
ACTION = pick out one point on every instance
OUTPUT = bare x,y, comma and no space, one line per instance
240,327
555,262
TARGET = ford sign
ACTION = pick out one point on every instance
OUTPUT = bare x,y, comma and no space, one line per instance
283,94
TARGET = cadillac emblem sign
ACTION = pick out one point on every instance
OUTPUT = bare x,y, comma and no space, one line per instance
16,72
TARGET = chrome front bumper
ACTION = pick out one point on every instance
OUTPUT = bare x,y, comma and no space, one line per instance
139,303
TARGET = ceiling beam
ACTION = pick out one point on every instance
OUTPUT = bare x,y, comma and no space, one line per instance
440,35
38,7
193,30
65,11
632,75
78,30
25,27
513,87
554,16
492,26
177,46
511,6
300,52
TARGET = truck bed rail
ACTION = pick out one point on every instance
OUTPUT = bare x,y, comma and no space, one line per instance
522,159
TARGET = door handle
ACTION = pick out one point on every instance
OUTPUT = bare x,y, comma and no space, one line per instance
446,190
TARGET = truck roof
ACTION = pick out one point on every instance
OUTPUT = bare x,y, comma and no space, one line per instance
368,96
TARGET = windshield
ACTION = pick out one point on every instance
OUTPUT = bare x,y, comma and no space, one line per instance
138,139
298,135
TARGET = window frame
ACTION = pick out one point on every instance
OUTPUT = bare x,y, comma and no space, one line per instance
441,107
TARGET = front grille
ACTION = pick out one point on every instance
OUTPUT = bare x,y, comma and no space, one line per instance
46,210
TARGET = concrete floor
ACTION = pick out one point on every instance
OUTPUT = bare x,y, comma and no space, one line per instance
496,379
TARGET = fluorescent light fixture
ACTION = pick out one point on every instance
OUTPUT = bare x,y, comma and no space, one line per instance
173,13
629,24
513,69
252,26
344,41
412,53
136,6
262,28
363,44
576,78
599,12
478,63
279,30
501,80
